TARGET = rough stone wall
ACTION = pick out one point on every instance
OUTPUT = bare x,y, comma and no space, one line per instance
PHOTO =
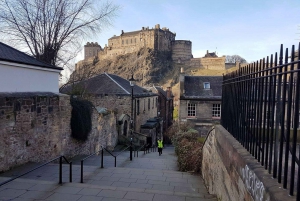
91,50
203,120
217,63
181,50
155,38
203,109
36,127
230,172
122,105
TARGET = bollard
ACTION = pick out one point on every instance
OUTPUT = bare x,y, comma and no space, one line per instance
102,158
81,172
131,151
71,172
60,170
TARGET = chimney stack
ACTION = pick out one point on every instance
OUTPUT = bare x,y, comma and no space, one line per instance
169,92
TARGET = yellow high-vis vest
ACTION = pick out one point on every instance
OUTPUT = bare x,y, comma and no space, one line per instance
159,143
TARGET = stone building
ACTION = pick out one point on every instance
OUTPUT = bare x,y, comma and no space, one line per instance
157,38
114,93
91,50
200,101
165,107
210,61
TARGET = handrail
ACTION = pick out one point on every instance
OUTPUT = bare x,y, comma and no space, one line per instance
208,133
123,150
102,151
44,164
137,151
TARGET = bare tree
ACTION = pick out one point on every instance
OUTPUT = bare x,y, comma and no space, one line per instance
234,58
52,29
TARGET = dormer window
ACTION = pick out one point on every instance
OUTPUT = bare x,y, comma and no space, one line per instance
206,85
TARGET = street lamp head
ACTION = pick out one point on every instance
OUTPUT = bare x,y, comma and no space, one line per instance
132,80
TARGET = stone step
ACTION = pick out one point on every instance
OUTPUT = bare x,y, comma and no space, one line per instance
116,183
148,177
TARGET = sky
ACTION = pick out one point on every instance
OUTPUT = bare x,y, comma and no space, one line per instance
252,29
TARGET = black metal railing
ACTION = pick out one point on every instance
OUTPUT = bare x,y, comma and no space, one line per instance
102,156
44,164
260,108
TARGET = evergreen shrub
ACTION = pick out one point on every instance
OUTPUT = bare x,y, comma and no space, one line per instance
187,147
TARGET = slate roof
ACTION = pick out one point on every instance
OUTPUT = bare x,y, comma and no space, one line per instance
109,84
160,90
194,87
10,54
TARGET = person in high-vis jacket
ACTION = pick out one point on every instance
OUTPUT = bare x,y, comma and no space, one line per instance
160,146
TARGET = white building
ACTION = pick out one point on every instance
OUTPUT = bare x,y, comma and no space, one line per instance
20,72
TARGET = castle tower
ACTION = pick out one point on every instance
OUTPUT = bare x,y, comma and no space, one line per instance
181,50
91,50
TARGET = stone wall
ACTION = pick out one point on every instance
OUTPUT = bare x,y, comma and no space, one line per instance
129,42
230,172
36,127
122,105
181,50
210,63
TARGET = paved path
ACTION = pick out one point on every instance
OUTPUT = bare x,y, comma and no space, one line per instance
148,177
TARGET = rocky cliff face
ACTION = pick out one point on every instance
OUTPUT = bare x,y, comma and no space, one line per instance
147,65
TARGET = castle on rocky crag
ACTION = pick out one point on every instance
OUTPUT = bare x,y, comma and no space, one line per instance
128,42
157,38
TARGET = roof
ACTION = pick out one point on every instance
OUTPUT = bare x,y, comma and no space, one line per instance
129,33
27,94
161,91
194,87
10,54
151,123
109,84
137,32
210,54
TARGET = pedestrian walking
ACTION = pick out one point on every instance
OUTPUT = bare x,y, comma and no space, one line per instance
160,146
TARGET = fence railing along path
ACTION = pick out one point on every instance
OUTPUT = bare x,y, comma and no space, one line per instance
260,108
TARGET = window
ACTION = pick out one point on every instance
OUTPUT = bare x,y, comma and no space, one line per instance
206,85
191,110
153,103
122,42
137,107
148,103
216,110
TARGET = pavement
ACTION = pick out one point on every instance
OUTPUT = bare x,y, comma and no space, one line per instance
149,177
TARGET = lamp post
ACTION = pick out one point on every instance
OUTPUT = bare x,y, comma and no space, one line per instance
131,81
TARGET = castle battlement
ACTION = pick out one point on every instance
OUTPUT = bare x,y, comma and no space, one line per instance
156,38
128,42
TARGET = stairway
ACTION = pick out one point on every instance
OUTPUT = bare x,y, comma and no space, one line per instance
148,177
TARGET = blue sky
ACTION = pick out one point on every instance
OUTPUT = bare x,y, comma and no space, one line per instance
252,29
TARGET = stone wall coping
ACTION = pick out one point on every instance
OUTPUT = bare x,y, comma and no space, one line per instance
30,94
271,186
